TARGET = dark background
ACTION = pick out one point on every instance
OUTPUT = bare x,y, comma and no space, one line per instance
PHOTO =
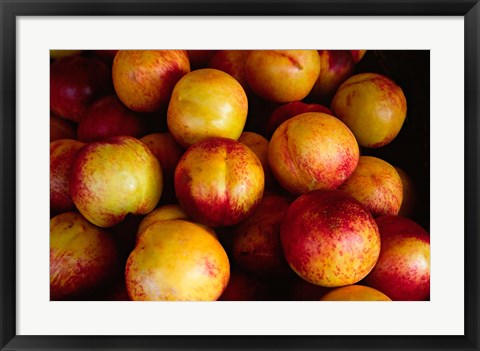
410,150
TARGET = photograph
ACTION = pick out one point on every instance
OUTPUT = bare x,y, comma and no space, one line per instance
239,175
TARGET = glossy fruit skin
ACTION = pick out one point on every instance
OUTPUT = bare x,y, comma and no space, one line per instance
335,67
282,75
232,62
75,83
62,155
376,185
60,128
164,213
256,243
81,255
144,79
108,117
403,268
355,293
114,177
329,238
154,271
312,151
207,103
287,111
219,182
372,106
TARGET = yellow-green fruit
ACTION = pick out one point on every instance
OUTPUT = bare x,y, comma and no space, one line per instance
176,260
115,177
372,106
206,103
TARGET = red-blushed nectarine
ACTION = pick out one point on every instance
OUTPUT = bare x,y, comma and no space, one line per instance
372,106
282,75
403,268
219,182
115,177
75,83
357,55
206,103
377,185
312,151
144,79
355,293
108,117
81,255
335,67
232,62
259,145
176,260
62,154
256,242
329,238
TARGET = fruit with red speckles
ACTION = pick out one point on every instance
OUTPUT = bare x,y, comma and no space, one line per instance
403,268
409,194
357,55
168,153
335,67
61,128
75,83
232,62
312,151
200,58
256,243
81,256
329,238
115,177
355,293
372,106
207,103
377,185
219,182
108,117
282,75
287,111
259,145
176,260
244,287
144,79
62,154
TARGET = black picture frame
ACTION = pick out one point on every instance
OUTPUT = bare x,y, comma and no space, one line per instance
9,10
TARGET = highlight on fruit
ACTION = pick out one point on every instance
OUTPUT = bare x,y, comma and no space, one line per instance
239,175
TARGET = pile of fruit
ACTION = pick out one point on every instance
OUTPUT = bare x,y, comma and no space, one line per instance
229,175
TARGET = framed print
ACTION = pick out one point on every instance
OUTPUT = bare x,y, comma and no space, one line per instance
71,62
